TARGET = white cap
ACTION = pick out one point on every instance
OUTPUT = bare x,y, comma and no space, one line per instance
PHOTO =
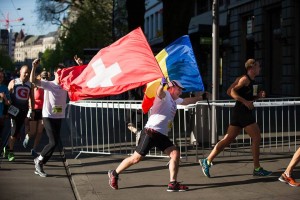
176,83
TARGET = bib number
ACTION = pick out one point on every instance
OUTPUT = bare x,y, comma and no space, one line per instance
57,109
14,111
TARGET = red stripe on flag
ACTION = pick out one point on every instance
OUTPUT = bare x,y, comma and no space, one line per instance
147,103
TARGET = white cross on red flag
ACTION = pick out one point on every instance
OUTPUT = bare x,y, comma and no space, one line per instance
126,64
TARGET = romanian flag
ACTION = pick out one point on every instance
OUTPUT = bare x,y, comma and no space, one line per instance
177,62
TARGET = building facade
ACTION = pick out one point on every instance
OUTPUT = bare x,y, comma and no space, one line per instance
27,48
267,30
153,25
4,40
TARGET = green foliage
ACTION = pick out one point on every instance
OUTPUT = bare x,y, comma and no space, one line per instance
5,61
92,29
51,58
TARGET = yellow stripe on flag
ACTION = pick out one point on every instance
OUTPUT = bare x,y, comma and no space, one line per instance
152,86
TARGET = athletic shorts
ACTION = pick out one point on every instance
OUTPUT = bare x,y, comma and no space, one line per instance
242,116
17,122
150,138
37,115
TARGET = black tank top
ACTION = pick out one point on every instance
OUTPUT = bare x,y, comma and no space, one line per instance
20,94
247,91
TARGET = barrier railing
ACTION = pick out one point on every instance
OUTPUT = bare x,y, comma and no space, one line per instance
100,127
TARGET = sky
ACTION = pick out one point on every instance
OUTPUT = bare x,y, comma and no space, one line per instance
27,7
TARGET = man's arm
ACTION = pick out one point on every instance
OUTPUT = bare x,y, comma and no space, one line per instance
32,78
160,90
31,99
232,86
10,86
198,97
242,82
78,60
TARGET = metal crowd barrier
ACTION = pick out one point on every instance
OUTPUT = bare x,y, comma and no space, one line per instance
100,127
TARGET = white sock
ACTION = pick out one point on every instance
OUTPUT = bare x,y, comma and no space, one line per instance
287,174
40,157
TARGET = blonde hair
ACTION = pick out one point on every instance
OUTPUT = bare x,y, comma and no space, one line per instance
250,63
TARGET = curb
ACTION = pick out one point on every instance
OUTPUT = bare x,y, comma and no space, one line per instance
80,182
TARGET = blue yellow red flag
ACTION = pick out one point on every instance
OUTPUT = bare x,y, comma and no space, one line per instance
177,62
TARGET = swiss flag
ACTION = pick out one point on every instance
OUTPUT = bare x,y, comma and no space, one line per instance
126,64
67,75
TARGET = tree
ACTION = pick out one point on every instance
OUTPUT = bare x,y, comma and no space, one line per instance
5,61
51,58
54,11
92,29
119,20
88,24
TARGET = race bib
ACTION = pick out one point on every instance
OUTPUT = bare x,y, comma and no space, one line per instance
13,110
170,125
57,109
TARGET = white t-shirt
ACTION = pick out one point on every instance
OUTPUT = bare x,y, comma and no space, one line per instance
162,113
55,100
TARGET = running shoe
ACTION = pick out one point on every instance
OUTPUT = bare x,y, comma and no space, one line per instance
289,180
113,180
26,140
132,128
39,168
137,137
5,152
11,156
176,187
205,167
261,172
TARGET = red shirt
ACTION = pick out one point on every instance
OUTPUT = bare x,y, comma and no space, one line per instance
38,98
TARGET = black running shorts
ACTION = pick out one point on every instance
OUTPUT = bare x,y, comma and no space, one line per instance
151,138
242,116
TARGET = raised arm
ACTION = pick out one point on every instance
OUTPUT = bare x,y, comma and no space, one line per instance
160,90
32,78
78,60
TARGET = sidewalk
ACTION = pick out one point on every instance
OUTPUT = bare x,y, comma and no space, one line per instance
18,181
231,179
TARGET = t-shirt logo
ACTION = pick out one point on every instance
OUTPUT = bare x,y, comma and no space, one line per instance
22,93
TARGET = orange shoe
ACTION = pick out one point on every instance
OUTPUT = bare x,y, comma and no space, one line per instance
289,180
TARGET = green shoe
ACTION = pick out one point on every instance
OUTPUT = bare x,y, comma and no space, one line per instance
205,167
11,156
5,152
261,172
